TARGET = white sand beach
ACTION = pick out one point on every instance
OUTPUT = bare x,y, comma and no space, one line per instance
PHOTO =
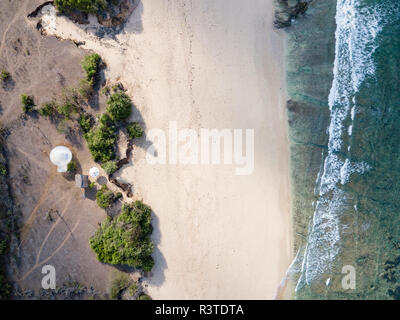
207,64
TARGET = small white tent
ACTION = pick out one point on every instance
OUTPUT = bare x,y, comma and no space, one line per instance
61,156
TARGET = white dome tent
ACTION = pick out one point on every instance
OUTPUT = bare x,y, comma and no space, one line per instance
61,156
94,172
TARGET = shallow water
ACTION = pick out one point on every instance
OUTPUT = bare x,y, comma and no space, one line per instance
353,216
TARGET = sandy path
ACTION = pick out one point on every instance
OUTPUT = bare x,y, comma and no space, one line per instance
208,64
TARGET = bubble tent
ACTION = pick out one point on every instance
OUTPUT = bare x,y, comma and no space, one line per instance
61,156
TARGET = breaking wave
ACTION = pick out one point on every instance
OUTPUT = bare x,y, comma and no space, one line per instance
358,26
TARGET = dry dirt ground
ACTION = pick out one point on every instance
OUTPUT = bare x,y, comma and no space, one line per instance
42,66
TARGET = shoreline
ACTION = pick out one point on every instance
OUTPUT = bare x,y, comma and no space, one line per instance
214,226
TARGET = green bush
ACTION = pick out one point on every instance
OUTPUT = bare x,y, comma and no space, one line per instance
86,6
144,297
90,64
3,170
119,106
72,167
48,109
101,141
4,75
104,197
134,130
126,239
85,122
110,167
27,103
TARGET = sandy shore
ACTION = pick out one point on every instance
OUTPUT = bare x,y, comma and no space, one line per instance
207,64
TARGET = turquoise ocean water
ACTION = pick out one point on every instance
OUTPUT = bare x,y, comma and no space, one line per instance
347,198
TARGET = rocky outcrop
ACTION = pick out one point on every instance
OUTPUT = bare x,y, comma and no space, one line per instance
288,10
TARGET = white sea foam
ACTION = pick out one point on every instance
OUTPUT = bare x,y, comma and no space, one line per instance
357,29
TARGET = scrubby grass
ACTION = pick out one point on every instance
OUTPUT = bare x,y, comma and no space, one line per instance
27,103
110,167
126,240
48,109
119,106
104,197
85,6
85,88
144,297
3,170
120,282
134,130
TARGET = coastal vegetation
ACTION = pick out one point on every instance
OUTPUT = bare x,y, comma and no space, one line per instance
90,64
119,106
86,6
121,282
3,170
110,167
126,239
101,140
134,130
27,103
4,75
72,167
104,197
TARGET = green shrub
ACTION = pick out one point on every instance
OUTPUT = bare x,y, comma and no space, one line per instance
126,239
134,130
119,106
105,119
92,185
3,170
27,103
101,141
48,109
85,122
72,167
4,75
109,167
144,297
86,6
90,64
104,197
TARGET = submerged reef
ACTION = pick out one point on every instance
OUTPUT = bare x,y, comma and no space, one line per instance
287,10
